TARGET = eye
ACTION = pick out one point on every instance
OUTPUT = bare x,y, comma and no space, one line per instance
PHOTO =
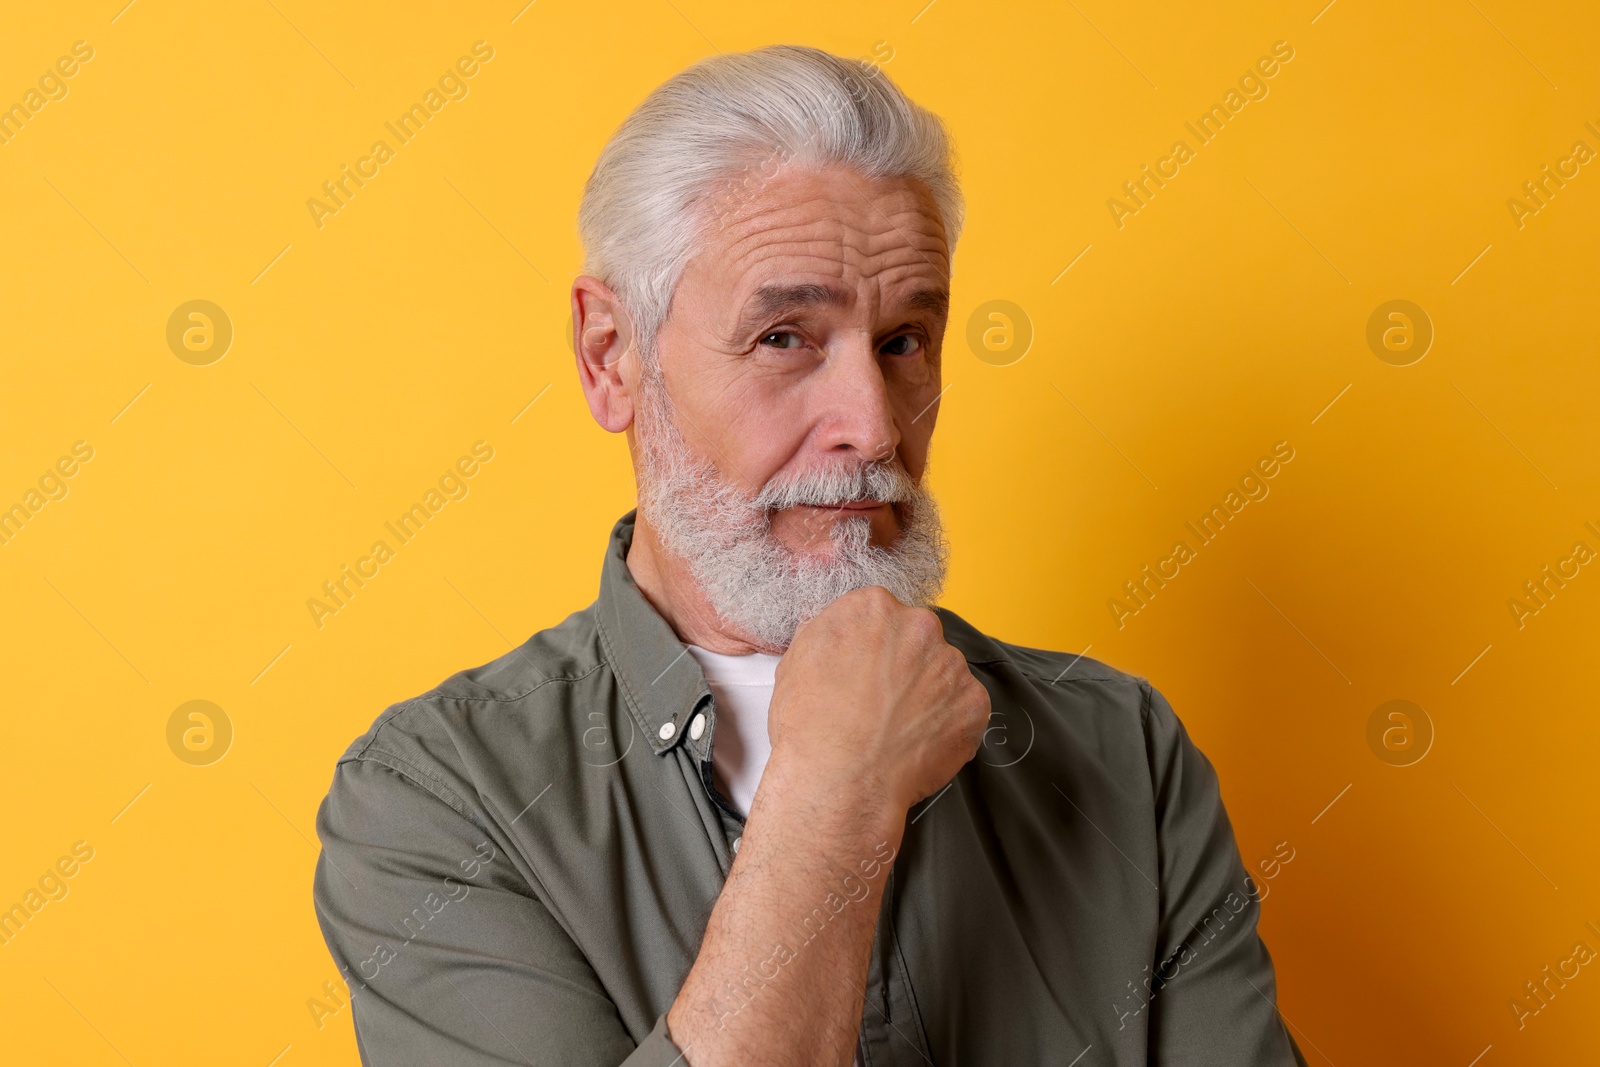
785,339
904,345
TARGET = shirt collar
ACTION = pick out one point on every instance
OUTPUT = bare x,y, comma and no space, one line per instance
660,682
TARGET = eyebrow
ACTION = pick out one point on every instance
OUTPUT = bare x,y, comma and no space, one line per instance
935,300
770,301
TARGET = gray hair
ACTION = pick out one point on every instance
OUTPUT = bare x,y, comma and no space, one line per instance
714,130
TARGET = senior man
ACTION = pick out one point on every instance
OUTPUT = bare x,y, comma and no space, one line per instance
740,810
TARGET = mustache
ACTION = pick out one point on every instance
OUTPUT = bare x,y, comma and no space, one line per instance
832,486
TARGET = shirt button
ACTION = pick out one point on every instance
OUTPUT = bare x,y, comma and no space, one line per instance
736,845
697,726
668,729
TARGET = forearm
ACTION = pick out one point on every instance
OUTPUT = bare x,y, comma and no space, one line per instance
781,972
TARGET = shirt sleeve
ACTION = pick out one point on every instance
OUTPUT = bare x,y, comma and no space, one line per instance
1213,997
450,957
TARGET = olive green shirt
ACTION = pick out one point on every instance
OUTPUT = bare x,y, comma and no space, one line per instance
517,868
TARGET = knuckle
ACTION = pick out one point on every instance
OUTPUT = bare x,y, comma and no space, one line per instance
864,603
925,624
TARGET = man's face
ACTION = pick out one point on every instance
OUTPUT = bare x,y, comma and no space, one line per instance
805,335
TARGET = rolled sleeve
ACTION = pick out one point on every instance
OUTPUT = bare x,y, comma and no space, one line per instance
450,955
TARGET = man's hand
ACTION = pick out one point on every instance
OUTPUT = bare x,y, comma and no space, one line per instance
872,702
872,711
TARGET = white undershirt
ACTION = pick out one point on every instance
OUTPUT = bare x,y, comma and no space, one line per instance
742,686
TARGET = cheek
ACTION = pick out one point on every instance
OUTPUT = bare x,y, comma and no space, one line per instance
753,426
917,415
915,378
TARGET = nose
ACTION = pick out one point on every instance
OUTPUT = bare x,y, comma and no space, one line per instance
856,413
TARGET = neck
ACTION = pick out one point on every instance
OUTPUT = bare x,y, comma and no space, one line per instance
666,582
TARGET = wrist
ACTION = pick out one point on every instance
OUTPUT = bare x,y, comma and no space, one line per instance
842,807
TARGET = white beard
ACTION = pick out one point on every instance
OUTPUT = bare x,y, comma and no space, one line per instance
755,582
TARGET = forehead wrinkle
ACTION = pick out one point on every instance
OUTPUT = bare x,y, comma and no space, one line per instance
855,239
823,255
833,256
899,207
868,233
859,223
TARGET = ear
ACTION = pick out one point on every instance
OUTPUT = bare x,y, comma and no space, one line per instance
608,364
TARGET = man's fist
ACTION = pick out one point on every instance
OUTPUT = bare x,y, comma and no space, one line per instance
872,701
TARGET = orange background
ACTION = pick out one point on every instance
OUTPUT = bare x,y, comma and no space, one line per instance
1228,314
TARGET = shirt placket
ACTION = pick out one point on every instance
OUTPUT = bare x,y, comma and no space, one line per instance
888,990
